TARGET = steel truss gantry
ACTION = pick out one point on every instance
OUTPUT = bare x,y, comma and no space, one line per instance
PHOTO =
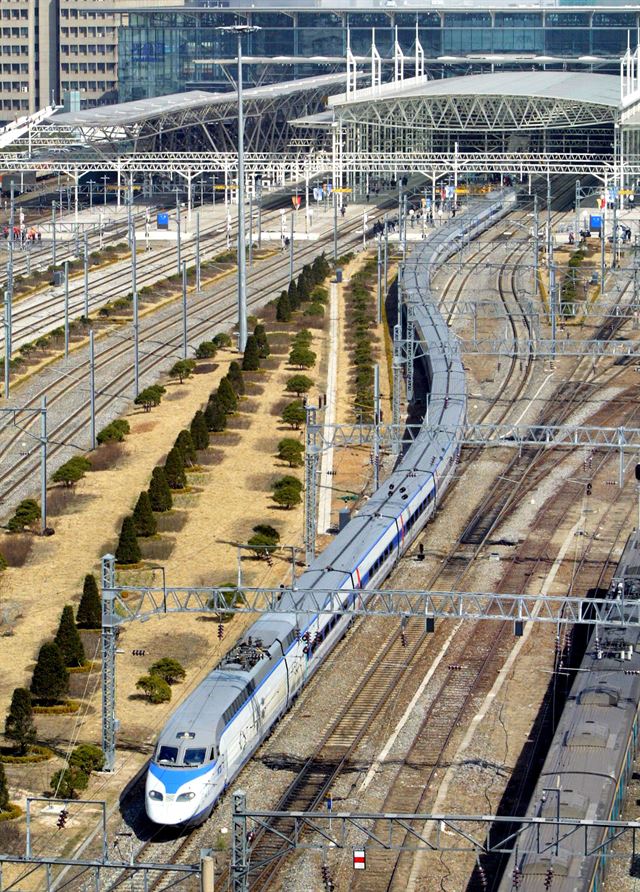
126,604
45,872
550,347
397,832
291,165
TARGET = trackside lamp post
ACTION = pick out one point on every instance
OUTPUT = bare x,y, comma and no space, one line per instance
239,31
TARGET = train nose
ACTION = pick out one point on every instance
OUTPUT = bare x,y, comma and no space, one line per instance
168,811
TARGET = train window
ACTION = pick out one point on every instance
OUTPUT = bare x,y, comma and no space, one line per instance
168,755
213,755
194,756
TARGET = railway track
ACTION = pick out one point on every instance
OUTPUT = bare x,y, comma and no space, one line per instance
152,267
160,339
460,687
342,739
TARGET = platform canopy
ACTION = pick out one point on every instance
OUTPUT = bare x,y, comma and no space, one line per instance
512,101
164,114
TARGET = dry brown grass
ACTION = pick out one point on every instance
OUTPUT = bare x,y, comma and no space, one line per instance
172,395
60,500
16,549
210,457
106,456
205,368
252,389
239,422
171,521
270,364
66,500
278,407
156,549
226,439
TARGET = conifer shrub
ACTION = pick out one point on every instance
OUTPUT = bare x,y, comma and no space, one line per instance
222,340
19,725
251,358
89,615
26,514
128,550
50,677
260,334
206,350
227,396
169,669
143,518
160,491
294,414
155,688
215,415
72,471
114,432
174,469
199,431
184,444
236,378
68,639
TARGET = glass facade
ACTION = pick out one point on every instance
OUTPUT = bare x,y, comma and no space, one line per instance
158,49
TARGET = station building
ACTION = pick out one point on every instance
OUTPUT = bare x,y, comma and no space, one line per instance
170,50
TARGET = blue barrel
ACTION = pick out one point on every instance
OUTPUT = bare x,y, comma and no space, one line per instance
338,275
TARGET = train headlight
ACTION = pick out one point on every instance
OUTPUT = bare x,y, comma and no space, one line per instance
185,797
154,794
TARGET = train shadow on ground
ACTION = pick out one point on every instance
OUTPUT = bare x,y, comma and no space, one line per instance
488,872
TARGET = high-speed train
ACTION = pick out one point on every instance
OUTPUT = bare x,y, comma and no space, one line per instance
215,731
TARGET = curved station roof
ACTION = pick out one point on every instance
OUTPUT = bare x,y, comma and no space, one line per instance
510,100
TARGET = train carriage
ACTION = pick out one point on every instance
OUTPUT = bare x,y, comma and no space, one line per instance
233,710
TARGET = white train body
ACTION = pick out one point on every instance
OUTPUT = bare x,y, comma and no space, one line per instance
215,731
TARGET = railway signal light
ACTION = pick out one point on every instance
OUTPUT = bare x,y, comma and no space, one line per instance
589,489
62,819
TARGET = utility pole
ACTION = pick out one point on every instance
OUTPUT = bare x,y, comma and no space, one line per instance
92,389
136,318
603,241
250,230
386,254
43,462
239,30
536,245
379,291
85,260
291,234
178,246
53,233
335,225
198,283
259,198
185,347
7,341
66,309
376,422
